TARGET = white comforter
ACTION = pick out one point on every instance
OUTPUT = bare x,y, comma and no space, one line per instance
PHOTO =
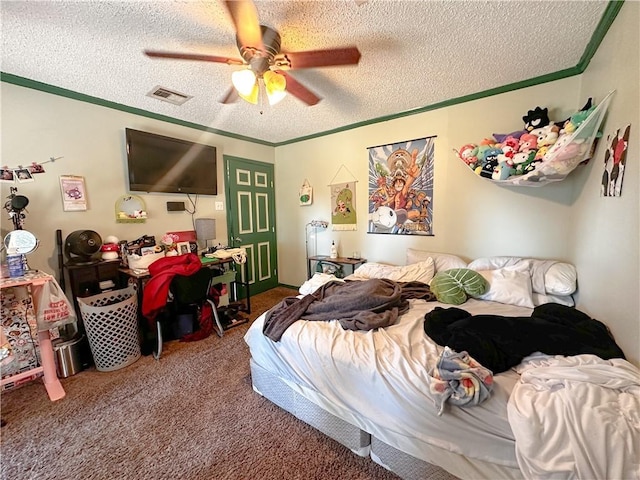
577,417
379,380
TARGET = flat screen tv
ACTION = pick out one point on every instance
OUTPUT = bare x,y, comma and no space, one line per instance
162,164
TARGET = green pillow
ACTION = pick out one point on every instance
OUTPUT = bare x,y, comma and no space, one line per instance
455,285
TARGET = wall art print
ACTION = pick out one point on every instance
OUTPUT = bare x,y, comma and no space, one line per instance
615,161
401,187
343,201
74,193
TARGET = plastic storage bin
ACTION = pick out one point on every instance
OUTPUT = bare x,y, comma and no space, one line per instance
111,322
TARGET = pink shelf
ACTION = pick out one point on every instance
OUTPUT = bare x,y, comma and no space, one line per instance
48,369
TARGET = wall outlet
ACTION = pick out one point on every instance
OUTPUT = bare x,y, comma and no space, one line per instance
219,206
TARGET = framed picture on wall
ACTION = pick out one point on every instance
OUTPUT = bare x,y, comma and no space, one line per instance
183,248
74,194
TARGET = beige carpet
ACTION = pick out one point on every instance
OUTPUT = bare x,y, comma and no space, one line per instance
191,415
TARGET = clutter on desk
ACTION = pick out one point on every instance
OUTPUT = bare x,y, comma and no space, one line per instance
141,252
239,255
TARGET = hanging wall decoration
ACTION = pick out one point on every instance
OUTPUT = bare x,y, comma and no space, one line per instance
401,187
22,174
305,195
343,202
74,195
615,161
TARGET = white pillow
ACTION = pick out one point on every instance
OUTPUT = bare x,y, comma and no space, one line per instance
316,282
442,261
559,279
508,285
418,272
541,299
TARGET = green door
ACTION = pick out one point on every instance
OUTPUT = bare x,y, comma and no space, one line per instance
251,219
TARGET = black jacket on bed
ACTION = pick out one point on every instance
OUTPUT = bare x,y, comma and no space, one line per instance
499,342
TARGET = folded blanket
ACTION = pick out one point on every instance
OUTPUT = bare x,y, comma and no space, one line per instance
460,380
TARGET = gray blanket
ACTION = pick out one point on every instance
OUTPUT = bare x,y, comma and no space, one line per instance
357,305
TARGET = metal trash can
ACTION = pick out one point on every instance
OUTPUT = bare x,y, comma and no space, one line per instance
68,356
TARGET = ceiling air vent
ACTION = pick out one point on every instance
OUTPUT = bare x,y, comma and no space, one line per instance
166,95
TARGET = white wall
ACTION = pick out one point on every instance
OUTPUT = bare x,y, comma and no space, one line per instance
472,216
605,231
38,125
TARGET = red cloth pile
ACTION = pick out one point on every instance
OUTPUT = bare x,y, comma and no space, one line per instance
162,272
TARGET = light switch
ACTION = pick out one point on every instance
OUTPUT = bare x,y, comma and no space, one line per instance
219,206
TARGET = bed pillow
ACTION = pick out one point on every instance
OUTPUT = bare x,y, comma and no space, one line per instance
315,282
455,285
508,285
559,278
442,261
416,272
541,299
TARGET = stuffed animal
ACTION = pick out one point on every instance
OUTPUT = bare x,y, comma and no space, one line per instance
522,160
489,154
528,142
486,170
510,144
586,106
576,120
541,153
536,118
500,137
547,135
469,154
502,171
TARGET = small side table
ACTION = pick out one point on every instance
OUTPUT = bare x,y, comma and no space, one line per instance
353,262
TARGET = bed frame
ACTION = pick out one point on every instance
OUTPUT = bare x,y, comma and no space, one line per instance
444,464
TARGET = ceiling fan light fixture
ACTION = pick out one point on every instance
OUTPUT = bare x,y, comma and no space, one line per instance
252,97
275,86
244,82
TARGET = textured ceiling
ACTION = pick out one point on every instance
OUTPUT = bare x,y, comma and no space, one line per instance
414,54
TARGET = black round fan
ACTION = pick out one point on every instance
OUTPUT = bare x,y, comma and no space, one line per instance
81,246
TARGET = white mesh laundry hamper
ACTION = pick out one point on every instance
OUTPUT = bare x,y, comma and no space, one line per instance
111,322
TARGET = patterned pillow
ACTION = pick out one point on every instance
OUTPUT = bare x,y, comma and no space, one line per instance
454,286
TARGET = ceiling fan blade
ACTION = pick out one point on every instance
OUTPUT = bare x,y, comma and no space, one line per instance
194,56
322,58
298,90
230,97
245,19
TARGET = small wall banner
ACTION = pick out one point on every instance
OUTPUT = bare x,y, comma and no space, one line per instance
343,202
305,194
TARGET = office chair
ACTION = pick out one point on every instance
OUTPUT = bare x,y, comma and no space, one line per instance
193,293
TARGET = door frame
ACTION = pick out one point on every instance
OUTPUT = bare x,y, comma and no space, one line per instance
232,229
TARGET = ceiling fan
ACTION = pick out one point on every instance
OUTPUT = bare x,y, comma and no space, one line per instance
265,66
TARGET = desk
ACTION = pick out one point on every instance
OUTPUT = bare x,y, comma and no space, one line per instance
48,366
140,278
354,262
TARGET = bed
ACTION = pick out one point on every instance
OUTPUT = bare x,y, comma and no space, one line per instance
375,390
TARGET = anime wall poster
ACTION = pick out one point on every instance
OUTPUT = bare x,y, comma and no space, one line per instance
343,201
615,161
401,187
